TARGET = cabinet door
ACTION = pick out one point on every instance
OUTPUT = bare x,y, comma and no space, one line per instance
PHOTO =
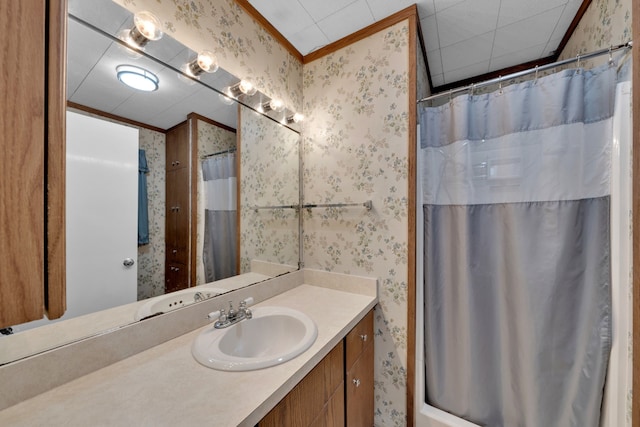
358,338
178,147
22,194
359,390
177,215
176,277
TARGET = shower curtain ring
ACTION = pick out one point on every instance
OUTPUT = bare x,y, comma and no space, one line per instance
578,58
611,55
535,79
500,84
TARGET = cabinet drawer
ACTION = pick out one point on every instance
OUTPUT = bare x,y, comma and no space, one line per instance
358,339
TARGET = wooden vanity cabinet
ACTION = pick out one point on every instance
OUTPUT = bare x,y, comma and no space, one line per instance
338,391
178,208
32,120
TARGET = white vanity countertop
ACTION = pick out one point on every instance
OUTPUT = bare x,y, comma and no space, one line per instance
165,386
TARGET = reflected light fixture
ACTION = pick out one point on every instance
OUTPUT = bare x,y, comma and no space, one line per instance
275,104
243,87
226,99
137,78
295,118
206,62
147,27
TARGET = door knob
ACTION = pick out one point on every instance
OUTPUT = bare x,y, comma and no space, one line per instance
128,262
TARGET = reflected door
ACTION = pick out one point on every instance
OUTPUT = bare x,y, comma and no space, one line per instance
102,214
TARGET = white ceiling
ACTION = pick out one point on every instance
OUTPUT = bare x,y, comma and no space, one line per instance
463,38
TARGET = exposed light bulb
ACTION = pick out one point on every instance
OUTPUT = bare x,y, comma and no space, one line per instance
147,27
247,87
205,62
296,118
276,105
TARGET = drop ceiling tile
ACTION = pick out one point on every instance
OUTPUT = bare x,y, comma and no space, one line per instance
435,62
466,20
426,8
467,53
320,9
383,8
437,80
430,33
288,16
551,47
309,39
441,5
517,10
516,58
467,72
565,19
350,19
526,33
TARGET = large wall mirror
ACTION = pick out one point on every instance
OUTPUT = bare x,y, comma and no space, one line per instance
174,194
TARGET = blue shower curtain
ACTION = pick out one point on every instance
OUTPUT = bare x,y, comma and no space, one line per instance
515,188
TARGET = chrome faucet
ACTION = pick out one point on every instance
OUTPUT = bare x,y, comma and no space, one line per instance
226,319
198,296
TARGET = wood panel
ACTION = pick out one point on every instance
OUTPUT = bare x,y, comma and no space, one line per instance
309,398
22,197
55,289
177,143
636,216
359,390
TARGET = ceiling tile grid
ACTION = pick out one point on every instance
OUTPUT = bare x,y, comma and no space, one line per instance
463,38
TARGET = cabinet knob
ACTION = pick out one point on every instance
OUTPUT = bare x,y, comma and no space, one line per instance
363,337
356,382
175,251
177,163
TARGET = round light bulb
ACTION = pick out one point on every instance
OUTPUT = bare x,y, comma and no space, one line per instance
207,61
247,87
297,117
276,105
148,25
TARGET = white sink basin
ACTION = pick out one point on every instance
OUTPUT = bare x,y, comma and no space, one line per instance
273,336
169,302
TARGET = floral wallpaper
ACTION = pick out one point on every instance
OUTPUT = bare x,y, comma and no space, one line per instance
151,257
269,175
243,47
356,149
211,139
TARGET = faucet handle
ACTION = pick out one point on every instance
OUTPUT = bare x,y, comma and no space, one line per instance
223,316
231,310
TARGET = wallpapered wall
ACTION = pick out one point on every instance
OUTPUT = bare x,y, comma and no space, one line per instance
268,176
355,149
243,47
211,139
151,257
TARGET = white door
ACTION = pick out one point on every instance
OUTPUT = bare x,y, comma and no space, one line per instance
102,214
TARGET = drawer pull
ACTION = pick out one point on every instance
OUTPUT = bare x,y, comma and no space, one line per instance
356,382
363,337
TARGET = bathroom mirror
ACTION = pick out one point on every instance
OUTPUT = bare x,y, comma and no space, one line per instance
263,146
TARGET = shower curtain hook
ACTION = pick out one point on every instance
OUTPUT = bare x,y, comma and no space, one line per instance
500,84
578,58
535,80
450,95
611,56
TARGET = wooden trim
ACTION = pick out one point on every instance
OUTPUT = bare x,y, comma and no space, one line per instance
55,255
238,192
411,206
106,115
193,198
211,122
262,21
636,216
363,33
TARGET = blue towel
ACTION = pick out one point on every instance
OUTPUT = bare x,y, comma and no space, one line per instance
143,203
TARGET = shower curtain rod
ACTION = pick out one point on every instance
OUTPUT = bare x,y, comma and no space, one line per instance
627,45
231,150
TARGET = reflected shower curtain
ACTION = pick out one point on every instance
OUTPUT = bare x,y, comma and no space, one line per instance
515,187
220,237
